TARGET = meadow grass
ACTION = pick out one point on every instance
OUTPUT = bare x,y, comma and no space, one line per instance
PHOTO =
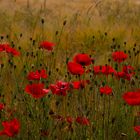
96,28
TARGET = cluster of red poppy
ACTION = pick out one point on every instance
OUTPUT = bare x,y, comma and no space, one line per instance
37,75
106,90
119,56
126,73
106,70
76,66
8,49
60,88
11,128
37,90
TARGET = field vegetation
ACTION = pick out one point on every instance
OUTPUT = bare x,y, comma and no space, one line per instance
70,70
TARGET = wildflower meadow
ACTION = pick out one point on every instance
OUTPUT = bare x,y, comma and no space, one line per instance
69,70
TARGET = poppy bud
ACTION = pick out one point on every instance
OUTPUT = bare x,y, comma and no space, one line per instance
136,77
67,59
33,42
113,39
49,72
113,120
51,112
105,33
64,23
57,69
57,103
42,21
19,48
56,33
109,60
25,71
21,35
2,37
134,49
2,65
7,36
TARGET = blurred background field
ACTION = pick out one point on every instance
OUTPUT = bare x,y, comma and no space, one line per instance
85,18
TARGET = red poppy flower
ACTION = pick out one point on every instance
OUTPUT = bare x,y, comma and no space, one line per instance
108,70
119,56
128,76
132,98
97,69
75,68
69,119
123,75
82,59
82,120
1,106
120,74
14,52
36,90
137,129
8,49
47,45
129,72
104,70
137,90
11,128
60,88
128,69
80,84
106,90
1,48
37,75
